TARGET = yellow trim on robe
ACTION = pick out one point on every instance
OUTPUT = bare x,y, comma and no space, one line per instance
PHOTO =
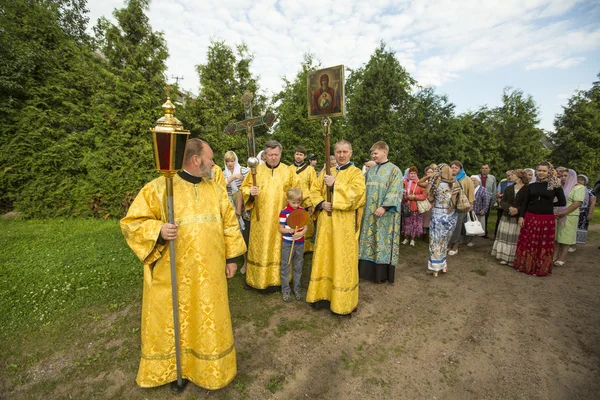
334,274
264,249
208,234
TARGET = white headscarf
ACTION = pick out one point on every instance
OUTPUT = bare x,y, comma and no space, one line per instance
533,174
237,169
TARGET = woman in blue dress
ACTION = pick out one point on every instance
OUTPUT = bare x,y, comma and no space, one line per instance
443,191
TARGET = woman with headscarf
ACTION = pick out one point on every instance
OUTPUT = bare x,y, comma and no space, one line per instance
443,192
505,243
234,174
568,216
535,247
412,225
530,174
586,211
429,171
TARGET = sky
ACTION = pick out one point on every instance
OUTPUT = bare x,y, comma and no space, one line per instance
469,50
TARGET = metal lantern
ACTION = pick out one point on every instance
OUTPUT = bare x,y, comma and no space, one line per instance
170,140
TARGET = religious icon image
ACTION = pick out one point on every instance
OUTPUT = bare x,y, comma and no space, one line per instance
326,92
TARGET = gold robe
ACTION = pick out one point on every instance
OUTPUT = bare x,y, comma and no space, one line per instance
307,177
334,275
264,249
219,177
208,234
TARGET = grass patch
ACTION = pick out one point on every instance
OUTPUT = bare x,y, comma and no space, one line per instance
480,271
275,383
378,382
57,267
286,326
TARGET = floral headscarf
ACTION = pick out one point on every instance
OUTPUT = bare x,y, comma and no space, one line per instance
553,181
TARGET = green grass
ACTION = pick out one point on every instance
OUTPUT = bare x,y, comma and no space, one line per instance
68,288
57,267
275,383
480,271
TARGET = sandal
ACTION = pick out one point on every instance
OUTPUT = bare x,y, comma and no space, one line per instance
559,263
445,270
435,274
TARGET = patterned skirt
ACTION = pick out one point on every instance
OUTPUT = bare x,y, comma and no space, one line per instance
507,236
583,225
413,226
440,230
535,247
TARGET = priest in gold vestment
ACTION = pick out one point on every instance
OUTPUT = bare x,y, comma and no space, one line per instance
334,276
207,241
306,175
273,179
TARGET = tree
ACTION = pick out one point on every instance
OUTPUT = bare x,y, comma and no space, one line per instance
46,80
515,127
577,136
119,156
223,79
293,127
378,98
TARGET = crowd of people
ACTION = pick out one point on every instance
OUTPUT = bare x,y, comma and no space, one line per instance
358,221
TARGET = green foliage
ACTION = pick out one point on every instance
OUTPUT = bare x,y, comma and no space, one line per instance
379,97
77,140
52,268
223,79
577,136
293,126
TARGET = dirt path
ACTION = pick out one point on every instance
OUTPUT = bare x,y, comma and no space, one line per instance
482,331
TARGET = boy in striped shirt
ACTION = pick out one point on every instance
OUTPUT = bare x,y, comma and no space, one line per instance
294,199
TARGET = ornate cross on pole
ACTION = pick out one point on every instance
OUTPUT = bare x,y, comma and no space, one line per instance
248,125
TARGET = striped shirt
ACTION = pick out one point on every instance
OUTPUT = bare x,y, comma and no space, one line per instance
287,237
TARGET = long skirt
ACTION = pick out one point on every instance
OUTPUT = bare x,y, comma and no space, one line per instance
535,247
582,225
440,230
507,236
566,233
413,225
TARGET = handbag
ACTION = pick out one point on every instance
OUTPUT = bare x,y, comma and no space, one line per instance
423,205
463,204
405,210
473,226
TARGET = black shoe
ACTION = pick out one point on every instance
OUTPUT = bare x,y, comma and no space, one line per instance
247,287
175,388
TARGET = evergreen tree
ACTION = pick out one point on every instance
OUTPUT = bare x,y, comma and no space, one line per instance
119,159
223,79
577,136
515,125
378,98
293,127
46,81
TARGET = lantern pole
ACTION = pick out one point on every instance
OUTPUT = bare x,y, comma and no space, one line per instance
170,141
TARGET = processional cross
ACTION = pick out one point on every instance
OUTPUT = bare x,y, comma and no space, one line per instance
248,124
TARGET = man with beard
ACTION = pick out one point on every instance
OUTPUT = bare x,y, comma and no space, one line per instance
208,241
